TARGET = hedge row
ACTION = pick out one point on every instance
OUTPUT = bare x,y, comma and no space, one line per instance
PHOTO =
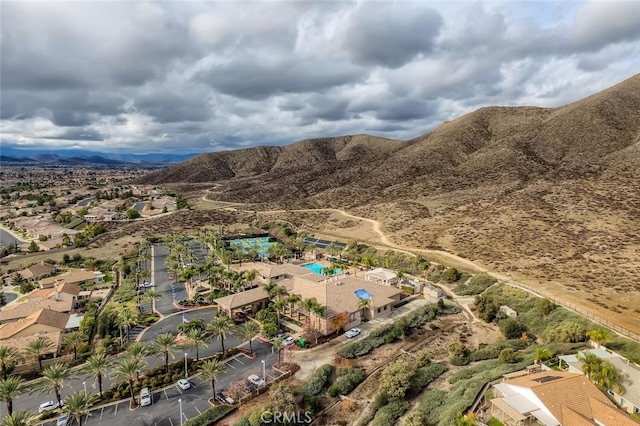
315,384
210,416
493,350
423,376
348,378
390,333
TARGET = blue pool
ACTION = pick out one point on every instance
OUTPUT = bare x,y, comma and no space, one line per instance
317,268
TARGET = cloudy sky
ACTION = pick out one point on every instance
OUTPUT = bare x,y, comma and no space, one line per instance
189,76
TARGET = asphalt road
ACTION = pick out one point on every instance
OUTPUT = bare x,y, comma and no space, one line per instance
163,285
6,238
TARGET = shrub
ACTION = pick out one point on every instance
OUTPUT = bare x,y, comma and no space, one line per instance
210,416
476,285
355,349
508,355
511,328
315,384
492,351
422,358
348,378
311,403
423,376
388,414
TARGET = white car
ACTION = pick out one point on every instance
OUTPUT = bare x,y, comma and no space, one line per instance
48,406
147,284
184,384
352,333
256,380
289,341
63,420
145,397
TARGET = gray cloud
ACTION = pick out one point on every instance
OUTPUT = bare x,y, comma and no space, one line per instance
206,76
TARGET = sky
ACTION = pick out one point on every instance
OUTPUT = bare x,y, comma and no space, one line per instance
189,77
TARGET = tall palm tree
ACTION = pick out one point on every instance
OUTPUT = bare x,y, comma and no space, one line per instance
210,370
152,296
127,318
591,363
278,345
164,345
607,377
279,306
38,347
127,370
292,301
97,366
308,305
319,311
268,288
197,339
10,388
279,291
247,332
599,335
53,378
75,341
219,327
364,304
8,357
21,418
79,404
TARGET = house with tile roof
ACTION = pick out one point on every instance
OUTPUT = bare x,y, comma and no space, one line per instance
43,323
629,399
555,398
35,272
75,277
17,311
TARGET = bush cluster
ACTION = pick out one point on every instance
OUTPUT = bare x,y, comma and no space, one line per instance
492,351
391,412
476,285
348,378
210,416
317,381
423,376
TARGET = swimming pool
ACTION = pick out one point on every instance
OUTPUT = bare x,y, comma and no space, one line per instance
317,268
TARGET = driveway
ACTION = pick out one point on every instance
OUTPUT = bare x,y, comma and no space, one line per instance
163,285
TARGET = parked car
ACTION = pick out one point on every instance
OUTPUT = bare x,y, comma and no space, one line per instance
145,397
289,341
63,420
184,384
352,333
48,406
281,336
256,380
147,284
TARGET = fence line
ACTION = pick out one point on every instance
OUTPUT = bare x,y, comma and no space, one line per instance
618,329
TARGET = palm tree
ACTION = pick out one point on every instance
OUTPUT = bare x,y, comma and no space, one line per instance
599,335
278,345
79,404
279,306
247,331
75,341
8,358
279,291
127,318
18,280
37,348
268,287
292,301
164,345
152,296
197,339
210,370
542,354
20,418
319,311
607,377
308,305
219,327
53,378
98,366
10,388
127,370
591,363
364,304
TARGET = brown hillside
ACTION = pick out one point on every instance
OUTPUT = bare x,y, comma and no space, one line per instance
549,195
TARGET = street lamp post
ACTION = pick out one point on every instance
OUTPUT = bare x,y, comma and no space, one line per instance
186,373
180,402
264,371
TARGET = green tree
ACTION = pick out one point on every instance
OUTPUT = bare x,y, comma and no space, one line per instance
451,275
487,307
197,339
181,202
607,377
599,335
247,332
33,247
210,370
132,214
508,356
21,418
11,388
152,296
74,341
541,355
591,363
53,379
219,327
278,345
395,379
97,366
37,348
457,349
8,358
512,329
568,332
127,370
79,404
164,345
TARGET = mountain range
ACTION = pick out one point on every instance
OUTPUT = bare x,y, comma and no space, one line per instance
549,196
83,157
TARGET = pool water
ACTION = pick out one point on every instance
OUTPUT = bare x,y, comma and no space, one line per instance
317,268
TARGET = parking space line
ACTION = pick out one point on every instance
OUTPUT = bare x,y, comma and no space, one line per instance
179,390
101,412
239,361
199,412
170,421
116,412
229,364
165,393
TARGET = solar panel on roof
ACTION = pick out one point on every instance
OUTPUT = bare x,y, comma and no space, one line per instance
324,242
546,379
322,246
